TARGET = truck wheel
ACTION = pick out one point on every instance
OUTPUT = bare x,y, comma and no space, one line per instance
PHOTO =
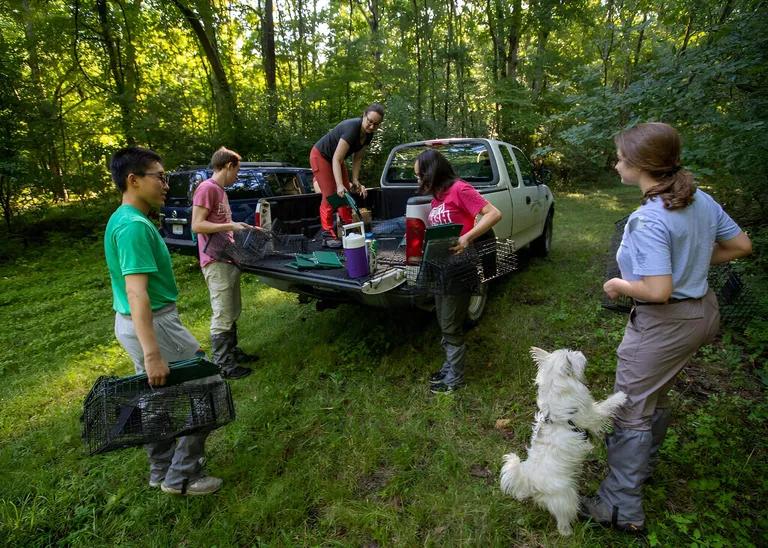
476,307
541,246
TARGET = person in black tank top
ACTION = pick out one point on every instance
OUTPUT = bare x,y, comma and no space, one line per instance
327,157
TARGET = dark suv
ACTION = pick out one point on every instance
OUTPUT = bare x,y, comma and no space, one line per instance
255,180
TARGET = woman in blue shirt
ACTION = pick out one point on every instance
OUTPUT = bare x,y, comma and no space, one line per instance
668,244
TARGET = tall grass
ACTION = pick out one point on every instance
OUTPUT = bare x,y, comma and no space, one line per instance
337,440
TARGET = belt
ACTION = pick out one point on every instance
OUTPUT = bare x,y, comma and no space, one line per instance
668,301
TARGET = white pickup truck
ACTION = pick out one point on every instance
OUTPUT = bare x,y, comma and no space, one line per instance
501,173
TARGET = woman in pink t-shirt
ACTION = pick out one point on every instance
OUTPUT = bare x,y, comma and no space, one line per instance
454,201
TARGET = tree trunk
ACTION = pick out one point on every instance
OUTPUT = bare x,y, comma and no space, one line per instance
513,40
419,66
269,60
229,122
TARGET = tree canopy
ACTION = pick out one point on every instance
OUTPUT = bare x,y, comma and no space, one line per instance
269,77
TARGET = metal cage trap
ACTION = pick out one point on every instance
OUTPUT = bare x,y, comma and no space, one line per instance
738,305
124,412
454,274
247,247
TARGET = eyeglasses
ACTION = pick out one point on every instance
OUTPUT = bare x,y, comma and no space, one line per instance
162,176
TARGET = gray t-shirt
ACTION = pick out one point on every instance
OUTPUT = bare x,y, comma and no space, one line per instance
349,130
679,242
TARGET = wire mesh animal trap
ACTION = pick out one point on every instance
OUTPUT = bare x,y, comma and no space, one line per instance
455,274
124,412
738,305
247,247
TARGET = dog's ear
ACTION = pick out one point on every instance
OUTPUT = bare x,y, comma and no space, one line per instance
539,356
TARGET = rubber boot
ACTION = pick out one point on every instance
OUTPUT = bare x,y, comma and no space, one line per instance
621,491
224,356
659,424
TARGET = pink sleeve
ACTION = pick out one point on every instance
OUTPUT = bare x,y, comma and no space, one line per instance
471,199
205,196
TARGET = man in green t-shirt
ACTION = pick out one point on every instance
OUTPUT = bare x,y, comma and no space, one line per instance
144,298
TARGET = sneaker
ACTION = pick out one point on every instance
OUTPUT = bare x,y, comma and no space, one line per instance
201,486
442,388
237,372
593,508
154,484
436,377
244,357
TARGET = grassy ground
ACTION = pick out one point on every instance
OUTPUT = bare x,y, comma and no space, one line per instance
337,440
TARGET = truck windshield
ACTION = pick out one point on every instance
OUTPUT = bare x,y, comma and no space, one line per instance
471,160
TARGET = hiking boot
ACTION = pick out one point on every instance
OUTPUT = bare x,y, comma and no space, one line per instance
241,356
237,372
442,388
437,377
201,486
593,508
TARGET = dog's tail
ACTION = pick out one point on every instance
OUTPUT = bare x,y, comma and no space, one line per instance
513,481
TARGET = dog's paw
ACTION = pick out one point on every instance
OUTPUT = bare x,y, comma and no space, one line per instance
618,399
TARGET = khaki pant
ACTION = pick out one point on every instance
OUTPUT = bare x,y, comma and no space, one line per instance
223,281
658,342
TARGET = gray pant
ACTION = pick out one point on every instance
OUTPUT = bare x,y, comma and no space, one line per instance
659,340
451,312
175,460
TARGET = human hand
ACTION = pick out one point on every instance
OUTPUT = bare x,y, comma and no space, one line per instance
612,288
360,189
156,368
461,245
340,191
237,227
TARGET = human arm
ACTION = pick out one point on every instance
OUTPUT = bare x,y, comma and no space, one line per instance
734,248
357,161
336,163
490,216
203,226
141,316
652,289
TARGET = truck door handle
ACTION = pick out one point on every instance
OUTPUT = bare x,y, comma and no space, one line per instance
527,199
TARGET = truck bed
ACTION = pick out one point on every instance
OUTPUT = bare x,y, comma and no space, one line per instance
335,284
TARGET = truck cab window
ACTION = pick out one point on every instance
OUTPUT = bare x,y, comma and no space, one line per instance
506,155
526,169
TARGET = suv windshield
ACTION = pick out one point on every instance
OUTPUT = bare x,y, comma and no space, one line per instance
471,160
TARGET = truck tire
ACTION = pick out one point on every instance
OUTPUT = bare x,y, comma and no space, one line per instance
476,307
541,246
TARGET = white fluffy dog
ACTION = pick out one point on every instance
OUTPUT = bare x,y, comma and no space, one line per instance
559,443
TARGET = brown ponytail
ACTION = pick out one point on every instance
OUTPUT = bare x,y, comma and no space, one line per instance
655,149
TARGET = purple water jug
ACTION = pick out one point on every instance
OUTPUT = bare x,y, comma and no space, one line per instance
355,254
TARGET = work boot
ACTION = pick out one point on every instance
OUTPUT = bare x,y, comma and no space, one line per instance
224,356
